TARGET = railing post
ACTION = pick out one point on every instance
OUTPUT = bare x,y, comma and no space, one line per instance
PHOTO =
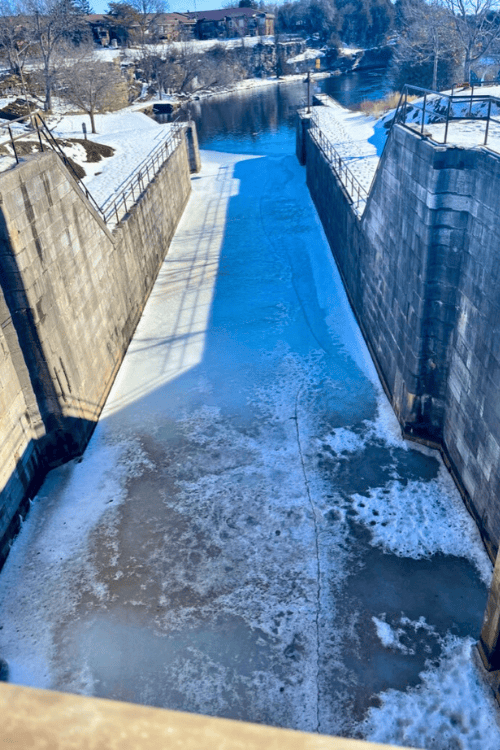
447,120
487,123
13,145
39,135
423,115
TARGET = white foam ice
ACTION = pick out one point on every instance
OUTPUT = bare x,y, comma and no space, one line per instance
343,440
451,709
402,632
90,487
418,519
391,637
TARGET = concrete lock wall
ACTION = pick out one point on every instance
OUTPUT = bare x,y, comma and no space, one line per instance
422,272
71,295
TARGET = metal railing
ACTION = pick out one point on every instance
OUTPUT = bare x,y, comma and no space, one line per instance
434,107
116,206
32,124
354,189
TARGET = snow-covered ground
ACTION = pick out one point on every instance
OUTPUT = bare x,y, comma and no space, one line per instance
468,132
359,139
197,45
308,54
247,534
133,136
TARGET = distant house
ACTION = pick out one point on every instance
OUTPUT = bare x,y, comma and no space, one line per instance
232,22
159,27
171,27
100,26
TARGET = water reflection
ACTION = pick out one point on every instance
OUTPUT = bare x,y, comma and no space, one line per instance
262,120
356,87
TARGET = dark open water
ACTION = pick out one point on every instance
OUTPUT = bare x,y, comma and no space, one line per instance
262,120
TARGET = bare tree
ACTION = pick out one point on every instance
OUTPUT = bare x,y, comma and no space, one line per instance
14,44
90,84
428,39
185,69
148,12
477,23
50,26
124,19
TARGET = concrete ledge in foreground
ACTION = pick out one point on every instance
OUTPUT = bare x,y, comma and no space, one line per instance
47,719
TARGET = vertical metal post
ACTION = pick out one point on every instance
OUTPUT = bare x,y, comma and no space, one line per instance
447,120
487,122
423,115
308,92
39,134
470,103
13,145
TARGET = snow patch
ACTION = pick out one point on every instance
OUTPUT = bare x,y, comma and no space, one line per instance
390,637
90,487
419,519
308,54
344,440
451,709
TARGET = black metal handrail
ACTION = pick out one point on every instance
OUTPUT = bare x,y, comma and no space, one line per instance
44,132
36,124
431,107
354,189
135,185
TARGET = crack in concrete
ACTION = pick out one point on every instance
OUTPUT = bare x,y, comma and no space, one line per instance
318,566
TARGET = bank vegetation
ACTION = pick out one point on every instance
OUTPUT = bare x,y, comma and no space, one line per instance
48,47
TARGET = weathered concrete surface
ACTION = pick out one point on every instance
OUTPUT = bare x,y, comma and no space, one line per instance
247,535
421,270
68,722
71,296
489,642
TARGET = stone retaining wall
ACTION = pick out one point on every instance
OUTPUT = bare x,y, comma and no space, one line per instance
71,295
422,272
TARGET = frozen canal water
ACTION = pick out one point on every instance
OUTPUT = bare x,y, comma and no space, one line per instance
247,535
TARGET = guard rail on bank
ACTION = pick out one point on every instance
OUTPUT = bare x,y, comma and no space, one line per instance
59,721
32,124
116,206
355,191
418,107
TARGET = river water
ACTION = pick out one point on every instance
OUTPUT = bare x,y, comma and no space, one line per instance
262,120
247,534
